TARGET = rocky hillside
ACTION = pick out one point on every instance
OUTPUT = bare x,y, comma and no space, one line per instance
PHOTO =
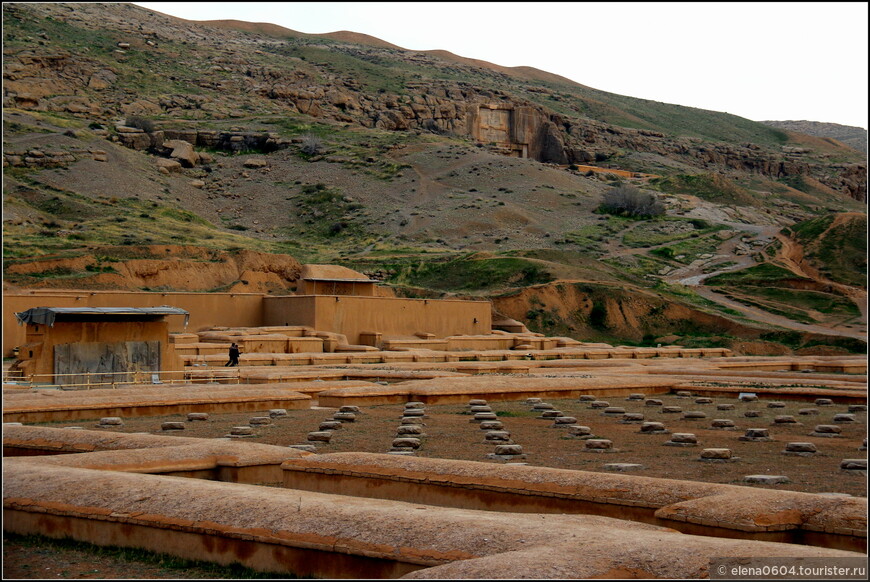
224,143
854,137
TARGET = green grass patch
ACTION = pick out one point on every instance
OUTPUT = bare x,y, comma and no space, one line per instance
667,230
135,556
470,274
712,187
838,252
767,274
826,303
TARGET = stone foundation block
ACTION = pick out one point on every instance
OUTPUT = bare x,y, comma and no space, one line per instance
826,430
508,450
800,449
498,435
653,428
693,415
717,455
723,423
480,416
242,431
580,431
682,439
409,429
854,465
598,445
321,436
406,443
491,425
622,467
756,435
766,479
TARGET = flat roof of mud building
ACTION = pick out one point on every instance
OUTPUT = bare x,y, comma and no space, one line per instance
48,315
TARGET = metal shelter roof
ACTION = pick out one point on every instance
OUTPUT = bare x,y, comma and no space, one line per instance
48,315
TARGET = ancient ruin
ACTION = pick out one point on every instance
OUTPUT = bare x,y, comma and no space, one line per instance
344,350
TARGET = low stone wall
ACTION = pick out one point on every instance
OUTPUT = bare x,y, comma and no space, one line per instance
319,535
497,388
23,440
211,459
697,508
57,405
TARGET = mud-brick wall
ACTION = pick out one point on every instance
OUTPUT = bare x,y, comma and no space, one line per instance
388,316
206,309
98,344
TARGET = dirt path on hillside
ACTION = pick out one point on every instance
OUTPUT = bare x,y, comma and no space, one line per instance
790,255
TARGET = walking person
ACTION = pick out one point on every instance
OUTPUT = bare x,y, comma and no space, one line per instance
234,355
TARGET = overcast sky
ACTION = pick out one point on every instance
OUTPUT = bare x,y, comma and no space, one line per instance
758,60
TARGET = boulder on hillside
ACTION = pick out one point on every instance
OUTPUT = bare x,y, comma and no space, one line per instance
255,163
167,166
183,152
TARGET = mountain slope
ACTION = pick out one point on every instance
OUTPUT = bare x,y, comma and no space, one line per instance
125,128
854,137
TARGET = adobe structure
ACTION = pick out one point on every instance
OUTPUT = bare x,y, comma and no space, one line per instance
344,346
75,344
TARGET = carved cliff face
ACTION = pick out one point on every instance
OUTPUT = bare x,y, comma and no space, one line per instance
519,131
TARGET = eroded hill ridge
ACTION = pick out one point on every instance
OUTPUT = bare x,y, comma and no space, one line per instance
189,142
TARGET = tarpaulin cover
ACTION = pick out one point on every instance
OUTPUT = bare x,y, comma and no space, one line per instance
47,315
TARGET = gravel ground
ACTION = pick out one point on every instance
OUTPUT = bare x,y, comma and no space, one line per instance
450,434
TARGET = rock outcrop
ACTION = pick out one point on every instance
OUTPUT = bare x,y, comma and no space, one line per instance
176,268
485,107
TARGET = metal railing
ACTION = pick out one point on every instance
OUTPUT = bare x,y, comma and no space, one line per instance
88,380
